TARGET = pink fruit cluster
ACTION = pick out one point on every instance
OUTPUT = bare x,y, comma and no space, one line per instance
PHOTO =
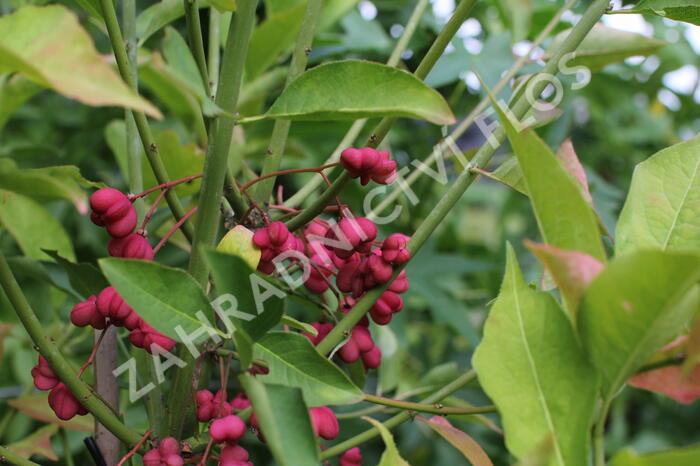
369,164
348,253
61,400
210,406
167,454
113,209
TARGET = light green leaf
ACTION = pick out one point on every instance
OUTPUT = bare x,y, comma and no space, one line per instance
603,46
179,56
677,457
352,89
238,241
565,218
391,456
180,160
165,297
47,184
529,364
458,439
640,302
232,275
663,205
679,10
37,443
510,174
49,45
299,325
33,227
284,420
294,362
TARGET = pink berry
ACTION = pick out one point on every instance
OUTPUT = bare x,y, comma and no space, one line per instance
44,376
86,313
152,458
394,249
324,422
112,209
240,402
352,457
64,403
372,358
227,429
169,446
132,246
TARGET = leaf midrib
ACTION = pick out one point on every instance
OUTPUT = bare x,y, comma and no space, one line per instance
533,367
682,204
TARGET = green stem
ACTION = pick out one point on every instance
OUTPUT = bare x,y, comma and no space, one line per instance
426,408
214,49
207,222
320,202
467,176
599,435
444,392
194,36
133,144
358,125
476,111
12,458
67,456
147,140
60,366
280,130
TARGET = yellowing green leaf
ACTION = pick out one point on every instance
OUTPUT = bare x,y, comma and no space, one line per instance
49,45
37,443
239,242
689,456
460,440
662,210
529,364
391,456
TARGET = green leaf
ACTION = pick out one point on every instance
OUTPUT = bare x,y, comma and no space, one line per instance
271,38
85,278
47,184
391,456
238,241
165,297
640,302
565,219
156,16
603,46
458,439
689,456
232,275
679,10
37,443
284,420
223,5
294,362
299,325
529,364
662,210
14,91
33,227
352,89
49,45
179,56
180,160
510,174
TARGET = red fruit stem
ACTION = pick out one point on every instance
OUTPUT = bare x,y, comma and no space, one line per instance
287,172
153,208
91,359
164,186
135,449
174,229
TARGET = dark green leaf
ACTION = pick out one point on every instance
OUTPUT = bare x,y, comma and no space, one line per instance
85,278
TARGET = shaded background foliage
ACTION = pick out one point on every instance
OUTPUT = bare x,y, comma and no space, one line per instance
627,112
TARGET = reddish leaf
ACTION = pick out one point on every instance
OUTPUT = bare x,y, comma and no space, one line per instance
671,382
37,407
38,443
460,440
572,271
569,160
